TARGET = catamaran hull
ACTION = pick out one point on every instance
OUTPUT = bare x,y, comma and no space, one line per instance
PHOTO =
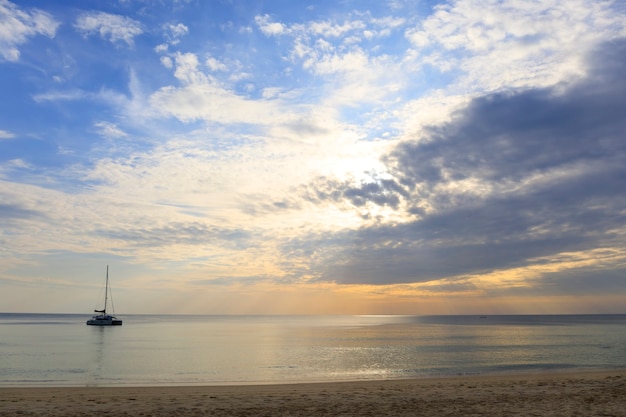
104,322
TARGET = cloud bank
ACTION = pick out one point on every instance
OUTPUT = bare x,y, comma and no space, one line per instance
514,179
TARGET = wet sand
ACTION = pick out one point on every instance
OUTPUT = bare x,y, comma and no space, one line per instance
559,394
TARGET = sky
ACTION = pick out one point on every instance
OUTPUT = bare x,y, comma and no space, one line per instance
345,157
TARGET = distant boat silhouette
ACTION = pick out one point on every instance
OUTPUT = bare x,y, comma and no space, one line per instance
104,319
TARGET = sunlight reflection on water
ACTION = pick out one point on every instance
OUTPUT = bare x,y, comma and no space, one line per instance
184,350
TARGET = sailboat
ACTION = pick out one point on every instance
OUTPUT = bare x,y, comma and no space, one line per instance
104,319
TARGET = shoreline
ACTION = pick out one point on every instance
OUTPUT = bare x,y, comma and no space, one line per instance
539,393
252,383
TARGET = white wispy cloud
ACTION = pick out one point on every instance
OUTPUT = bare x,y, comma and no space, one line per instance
114,28
349,56
61,95
13,164
215,65
6,135
109,130
17,25
172,33
328,29
177,31
515,44
201,97
268,27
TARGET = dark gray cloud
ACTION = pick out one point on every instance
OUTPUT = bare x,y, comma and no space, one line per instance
550,164
382,192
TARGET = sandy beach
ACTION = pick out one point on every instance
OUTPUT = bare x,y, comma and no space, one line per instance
563,394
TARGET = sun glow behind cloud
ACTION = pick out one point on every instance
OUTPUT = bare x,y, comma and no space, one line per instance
354,158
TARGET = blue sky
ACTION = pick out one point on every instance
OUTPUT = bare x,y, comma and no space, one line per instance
400,157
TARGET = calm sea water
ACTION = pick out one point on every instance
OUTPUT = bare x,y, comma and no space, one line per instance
37,349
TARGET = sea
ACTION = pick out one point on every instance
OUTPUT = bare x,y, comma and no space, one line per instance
171,350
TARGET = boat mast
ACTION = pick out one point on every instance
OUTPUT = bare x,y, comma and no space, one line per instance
106,292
